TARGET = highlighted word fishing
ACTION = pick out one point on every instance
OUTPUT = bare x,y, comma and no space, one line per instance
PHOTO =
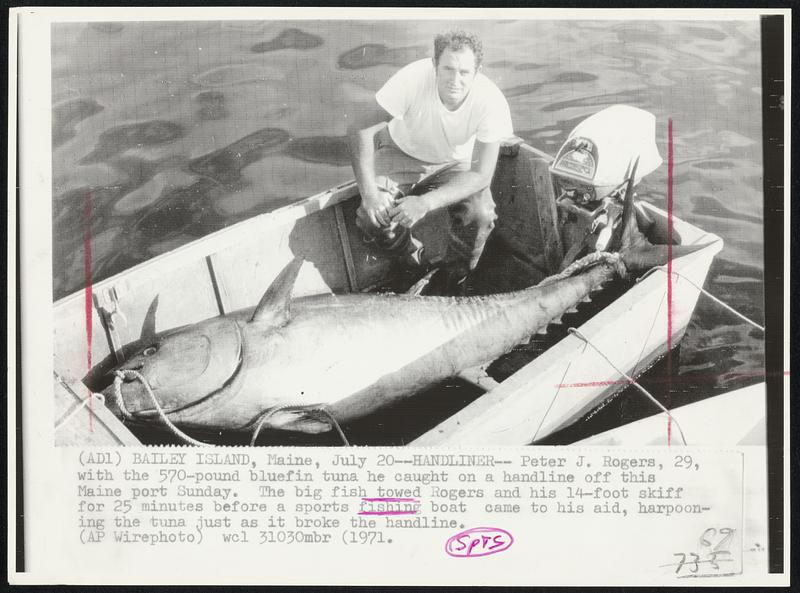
389,506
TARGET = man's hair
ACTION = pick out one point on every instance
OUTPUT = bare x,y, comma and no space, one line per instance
457,40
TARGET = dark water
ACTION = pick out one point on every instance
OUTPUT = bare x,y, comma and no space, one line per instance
175,130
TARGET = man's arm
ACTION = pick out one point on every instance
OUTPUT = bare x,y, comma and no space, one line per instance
361,143
462,185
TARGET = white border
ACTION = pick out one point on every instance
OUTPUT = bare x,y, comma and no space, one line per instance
35,180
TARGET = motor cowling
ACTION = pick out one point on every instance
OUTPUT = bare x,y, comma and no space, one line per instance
591,170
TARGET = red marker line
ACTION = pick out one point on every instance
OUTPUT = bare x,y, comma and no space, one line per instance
710,378
87,292
670,165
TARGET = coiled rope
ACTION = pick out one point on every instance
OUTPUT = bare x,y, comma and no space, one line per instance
632,381
119,400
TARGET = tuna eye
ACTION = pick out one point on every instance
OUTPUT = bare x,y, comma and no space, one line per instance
149,351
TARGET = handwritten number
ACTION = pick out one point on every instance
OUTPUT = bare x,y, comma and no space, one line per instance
710,533
728,533
681,563
696,562
711,554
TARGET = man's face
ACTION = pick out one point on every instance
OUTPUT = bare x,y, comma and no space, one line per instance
455,74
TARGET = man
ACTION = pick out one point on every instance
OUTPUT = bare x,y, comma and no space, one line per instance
440,120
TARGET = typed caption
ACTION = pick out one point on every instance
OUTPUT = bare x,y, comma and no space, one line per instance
456,504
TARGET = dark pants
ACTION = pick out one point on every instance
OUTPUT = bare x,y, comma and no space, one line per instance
453,238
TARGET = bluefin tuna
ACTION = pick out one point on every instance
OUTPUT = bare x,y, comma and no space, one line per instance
280,363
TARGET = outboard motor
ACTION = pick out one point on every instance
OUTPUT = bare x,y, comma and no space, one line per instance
591,170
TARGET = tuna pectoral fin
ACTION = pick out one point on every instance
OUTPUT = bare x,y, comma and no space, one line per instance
642,259
307,420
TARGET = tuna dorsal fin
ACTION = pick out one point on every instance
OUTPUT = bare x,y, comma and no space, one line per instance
149,324
273,308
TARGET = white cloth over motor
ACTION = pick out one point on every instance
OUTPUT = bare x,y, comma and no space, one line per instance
601,150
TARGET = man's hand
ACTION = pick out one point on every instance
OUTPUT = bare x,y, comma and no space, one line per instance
378,208
409,211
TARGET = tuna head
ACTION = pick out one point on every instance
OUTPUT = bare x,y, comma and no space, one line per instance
192,367
181,367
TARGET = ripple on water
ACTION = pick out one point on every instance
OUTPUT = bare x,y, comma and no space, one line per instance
527,66
562,78
734,139
289,39
522,89
176,210
500,64
212,105
710,205
225,165
121,138
61,94
349,92
714,165
276,113
573,77
705,33
151,191
331,150
597,102
109,28
68,114
376,54
238,74
245,26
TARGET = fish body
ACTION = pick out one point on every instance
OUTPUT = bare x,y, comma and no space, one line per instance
352,354
279,363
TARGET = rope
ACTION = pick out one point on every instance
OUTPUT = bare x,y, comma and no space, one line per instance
98,397
325,412
587,261
632,381
266,415
119,400
712,297
120,375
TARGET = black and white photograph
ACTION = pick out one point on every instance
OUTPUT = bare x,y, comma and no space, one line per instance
320,233
293,233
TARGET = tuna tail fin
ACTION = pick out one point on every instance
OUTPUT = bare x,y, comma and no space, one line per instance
626,232
636,251
273,308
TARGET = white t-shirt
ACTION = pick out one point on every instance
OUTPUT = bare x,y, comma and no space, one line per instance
425,129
